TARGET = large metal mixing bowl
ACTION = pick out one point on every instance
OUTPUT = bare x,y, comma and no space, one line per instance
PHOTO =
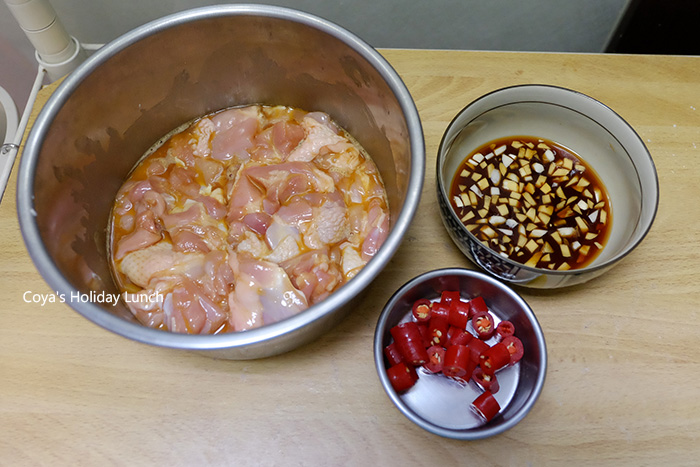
131,92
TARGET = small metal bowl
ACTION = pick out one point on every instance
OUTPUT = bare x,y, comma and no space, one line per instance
592,130
442,406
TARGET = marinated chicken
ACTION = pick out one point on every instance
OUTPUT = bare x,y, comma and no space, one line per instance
246,217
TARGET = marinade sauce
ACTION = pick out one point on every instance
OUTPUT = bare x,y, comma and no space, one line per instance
533,201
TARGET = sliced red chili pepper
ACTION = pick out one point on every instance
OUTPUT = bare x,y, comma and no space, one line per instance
486,380
440,309
515,348
436,359
421,310
459,313
392,354
409,341
486,405
478,305
458,362
458,336
448,296
401,376
477,347
504,329
425,334
495,358
437,330
483,325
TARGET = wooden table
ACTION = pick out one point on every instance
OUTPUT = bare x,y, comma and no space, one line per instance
623,382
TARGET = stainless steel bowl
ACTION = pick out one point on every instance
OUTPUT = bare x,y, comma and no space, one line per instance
131,92
586,126
441,406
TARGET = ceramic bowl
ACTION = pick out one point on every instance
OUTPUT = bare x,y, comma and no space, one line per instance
601,137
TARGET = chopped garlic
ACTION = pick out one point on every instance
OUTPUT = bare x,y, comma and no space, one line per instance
544,215
497,220
507,159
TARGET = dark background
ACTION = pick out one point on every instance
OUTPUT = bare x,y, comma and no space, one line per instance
669,27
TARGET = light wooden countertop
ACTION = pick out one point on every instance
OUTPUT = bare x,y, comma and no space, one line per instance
623,382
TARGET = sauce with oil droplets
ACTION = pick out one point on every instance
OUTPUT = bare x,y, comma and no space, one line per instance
533,201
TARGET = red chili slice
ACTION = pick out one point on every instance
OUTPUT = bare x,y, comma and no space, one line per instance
458,336
421,310
478,305
505,329
409,341
486,380
392,354
440,308
451,333
437,330
401,376
425,334
458,362
486,405
495,358
436,359
515,348
459,313
448,296
477,347
483,325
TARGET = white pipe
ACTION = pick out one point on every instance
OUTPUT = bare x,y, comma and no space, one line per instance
57,51
56,69
9,150
8,117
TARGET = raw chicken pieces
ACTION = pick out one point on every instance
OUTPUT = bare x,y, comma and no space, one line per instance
247,217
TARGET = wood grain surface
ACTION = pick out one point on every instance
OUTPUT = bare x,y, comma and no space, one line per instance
623,381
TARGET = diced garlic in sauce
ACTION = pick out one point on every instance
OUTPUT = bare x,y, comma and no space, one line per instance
550,209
